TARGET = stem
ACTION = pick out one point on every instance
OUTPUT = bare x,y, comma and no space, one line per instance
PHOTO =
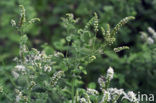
28,90
96,101
77,96
73,84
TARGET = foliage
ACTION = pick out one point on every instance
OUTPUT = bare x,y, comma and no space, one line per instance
36,75
135,67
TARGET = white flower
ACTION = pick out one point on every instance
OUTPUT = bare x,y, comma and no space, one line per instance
47,68
151,30
56,77
20,68
116,91
83,100
102,82
150,40
18,96
131,96
92,91
37,57
15,59
110,73
154,36
13,22
23,48
106,97
58,54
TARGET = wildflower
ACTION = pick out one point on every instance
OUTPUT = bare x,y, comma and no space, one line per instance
23,49
116,91
20,68
58,54
37,57
121,23
96,22
108,37
22,13
18,98
87,98
47,68
106,97
83,100
103,31
110,73
152,31
121,48
150,40
56,77
15,59
13,22
71,19
131,96
92,91
154,36
19,95
102,82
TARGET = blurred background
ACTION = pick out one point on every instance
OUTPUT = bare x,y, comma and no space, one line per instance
135,68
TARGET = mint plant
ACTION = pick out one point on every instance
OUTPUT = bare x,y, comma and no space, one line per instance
42,78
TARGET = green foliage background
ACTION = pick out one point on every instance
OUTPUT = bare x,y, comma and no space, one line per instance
135,69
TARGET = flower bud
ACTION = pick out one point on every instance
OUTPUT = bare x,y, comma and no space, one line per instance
13,22
110,73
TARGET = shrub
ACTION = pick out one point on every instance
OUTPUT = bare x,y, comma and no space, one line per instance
39,77
128,64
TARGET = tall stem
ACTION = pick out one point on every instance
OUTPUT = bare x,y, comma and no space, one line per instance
73,87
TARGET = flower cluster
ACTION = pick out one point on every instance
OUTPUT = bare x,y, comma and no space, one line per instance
147,38
83,100
13,22
110,73
109,95
152,31
96,23
92,91
121,23
121,48
34,69
56,77
20,97
39,60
